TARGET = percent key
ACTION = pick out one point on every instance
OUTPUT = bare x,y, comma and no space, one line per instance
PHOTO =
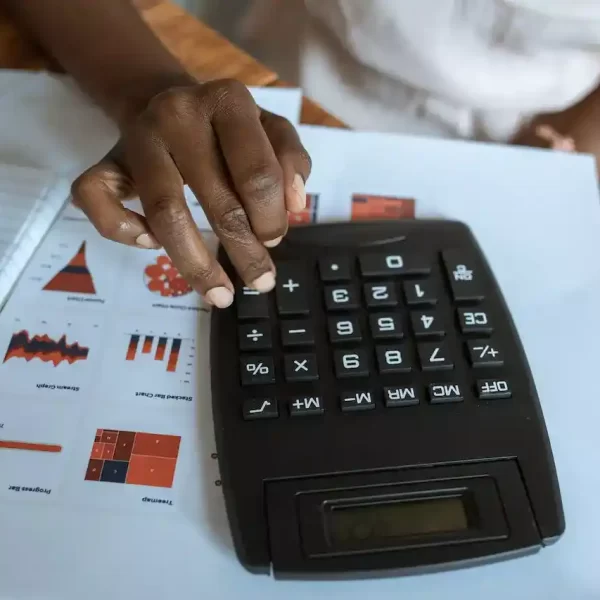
257,370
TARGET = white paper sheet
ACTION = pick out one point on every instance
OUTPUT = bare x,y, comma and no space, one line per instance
537,217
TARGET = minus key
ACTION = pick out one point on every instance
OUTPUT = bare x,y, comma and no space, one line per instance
297,332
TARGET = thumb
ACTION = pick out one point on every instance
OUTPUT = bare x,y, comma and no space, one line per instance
100,191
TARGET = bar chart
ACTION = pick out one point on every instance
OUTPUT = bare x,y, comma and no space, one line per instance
156,348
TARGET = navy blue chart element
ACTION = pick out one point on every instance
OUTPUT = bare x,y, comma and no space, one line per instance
389,424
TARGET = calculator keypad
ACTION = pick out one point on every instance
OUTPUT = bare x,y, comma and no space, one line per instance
386,320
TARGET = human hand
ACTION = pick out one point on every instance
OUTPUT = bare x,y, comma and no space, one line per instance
246,166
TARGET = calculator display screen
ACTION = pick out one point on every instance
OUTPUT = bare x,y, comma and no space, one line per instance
352,524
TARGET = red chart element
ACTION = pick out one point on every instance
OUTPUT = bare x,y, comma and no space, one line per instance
163,278
74,278
365,206
309,214
44,348
133,458
161,348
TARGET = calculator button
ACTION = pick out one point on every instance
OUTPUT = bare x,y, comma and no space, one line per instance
393,359
357,401
426,323
491,389
341,297
392,263
260,408
300,367
420,292
380,294
474,321
291,289
256,336
434,355
251,304
344,329
297,332
441,393
484,354
351,363
464,277
407,395
306,405
257,369
386,326
335,268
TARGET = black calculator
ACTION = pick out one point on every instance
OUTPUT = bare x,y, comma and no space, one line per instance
375,414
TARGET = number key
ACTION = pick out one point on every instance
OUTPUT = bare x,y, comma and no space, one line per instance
426,323
386,326
393,359
380,294
351,363
434,355
474,321
344,329
341,297
420,292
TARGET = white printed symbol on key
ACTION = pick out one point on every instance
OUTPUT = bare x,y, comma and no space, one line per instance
340,296
254,335
291,285
427,321
418,291
300,365
394,262
434,355
462,273
257,368
261,409
380,292
250,292
485,351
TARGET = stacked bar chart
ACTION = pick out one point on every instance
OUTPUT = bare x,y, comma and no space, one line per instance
156,348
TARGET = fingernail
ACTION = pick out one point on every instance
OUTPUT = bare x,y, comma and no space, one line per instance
146,241
220,297
273,243
264,283
299,192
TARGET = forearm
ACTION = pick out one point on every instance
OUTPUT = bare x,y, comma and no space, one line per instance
105,45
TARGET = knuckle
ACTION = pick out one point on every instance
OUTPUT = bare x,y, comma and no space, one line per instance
110,229
169,105
201,274
227,94
233,223
165,211
263,185
85,184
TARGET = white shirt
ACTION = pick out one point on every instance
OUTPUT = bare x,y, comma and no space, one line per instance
466,68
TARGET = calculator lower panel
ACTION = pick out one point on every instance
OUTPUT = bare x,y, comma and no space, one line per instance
398,521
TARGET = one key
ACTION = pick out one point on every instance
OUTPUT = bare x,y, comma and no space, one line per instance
386,326
474,321
434,356
301,367
420,292
301,406
351,363
336,268
260,408
256,370
492,389
441,393
357,401
255,336
464,276
291,289
377,264
407,395
341,297
380,294
426,323
297,332
251,304
393,359
344,329
482,353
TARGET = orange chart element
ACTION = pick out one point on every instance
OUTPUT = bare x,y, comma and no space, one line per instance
12,445
163,278
161,347
133,458
366,206
74,278
44,348
309,214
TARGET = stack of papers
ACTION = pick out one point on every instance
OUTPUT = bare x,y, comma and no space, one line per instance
125,353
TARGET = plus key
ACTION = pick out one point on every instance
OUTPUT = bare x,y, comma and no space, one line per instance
290,292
